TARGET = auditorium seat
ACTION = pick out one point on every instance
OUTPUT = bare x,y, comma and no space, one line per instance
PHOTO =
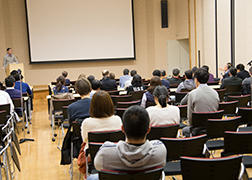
163,131
243,100
228,107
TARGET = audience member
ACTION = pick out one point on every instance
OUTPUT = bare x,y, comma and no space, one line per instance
96,86
102,116
136,152
91,78
108,84
25,87
10,84
67,81
82,75
164,80
137,84
124,78
162,113
60,86
80,109
112,76
194,69
148,98
5,99
246,83
226,70
211,76
132,74
156,72
232,80
175,80
241,72
201,99
188,84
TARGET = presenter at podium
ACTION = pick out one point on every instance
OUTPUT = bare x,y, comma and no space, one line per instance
9,58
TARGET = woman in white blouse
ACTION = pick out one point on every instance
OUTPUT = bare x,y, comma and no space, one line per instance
102,116
162,113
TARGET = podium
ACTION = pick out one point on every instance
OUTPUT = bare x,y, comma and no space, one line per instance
14,66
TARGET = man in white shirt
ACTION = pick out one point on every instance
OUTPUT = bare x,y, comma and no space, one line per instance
128,83
5,99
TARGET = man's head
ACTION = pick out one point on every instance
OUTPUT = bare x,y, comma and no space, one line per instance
64,74
13,72
156,73
83,86
201,76
96,84
136,123
206,68
18,77
126,72
240,67
133,73
9,51
188,74
10,81
163,73
105,73
91,78
232,71
194,69
176,72
111,76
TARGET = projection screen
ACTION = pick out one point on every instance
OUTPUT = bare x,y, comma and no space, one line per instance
78,30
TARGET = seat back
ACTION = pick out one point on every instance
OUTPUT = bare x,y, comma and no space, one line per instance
237,142
137,95
154,174
201,119
93,148
119,111
128,104
17,103
233,90
166,131
123,98
221,93
179,96
58,104
102,136
115,92
243,100
183,111
5,107
3,118
211,169
217,127
228,107
177,147
246,114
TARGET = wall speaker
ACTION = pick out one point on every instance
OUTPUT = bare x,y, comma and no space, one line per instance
164,13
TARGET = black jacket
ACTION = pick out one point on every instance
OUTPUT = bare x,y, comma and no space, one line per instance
243,74
108,84
174,81
231,81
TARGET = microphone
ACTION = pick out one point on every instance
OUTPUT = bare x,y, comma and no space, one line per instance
250,63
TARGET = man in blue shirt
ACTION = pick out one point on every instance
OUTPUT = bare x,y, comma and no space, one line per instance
10,83
124,78
25,87
162,75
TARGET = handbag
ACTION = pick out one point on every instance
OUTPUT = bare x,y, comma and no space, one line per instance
82,163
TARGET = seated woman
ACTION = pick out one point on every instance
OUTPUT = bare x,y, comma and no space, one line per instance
60,86
102,116
136,84
162,113
148,98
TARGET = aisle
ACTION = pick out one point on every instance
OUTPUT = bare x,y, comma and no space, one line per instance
40,159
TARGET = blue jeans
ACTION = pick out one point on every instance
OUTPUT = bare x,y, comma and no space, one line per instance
93,177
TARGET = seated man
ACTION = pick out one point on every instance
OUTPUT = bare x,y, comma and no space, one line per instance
25,87
80,109
188,84
201,99
136,153
67,81
246,83
164,80
241,72
10,83
232,80
108,84
96,86
175,80
211,76
124,78
128,83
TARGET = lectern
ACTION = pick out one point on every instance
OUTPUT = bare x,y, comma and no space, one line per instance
11,67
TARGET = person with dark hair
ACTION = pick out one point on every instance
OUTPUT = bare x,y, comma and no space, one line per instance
108,84
211,76
156,72
102,116
80,108
148,97
201,99
124,78
96,86
241,72
25,87
112,76
128,83
226,70
246,83
60,86
164,80
194,69
232,80
162,113
9,58
136,153
137,84
67,81
175,80
188,84
91,78
10,83
2,86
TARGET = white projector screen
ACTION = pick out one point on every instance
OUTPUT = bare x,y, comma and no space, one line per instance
77,30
